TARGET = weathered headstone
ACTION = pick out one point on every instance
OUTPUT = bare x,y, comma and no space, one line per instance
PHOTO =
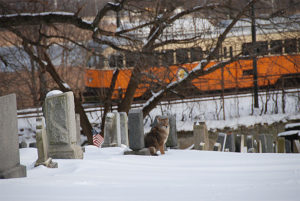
112,130
172,140
200,135
250,141
230,143
222,140
288,146
281,145
42,145
237,143
136,129
296,146
124,128
263,140
259,147
78,133
269,144
9,144
243,147
59,112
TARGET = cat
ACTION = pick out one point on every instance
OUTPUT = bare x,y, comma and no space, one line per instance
157,137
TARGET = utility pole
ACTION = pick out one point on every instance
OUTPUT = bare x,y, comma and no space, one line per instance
254,63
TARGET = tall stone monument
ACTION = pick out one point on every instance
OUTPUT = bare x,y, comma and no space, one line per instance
200,135
112,130
124,128
59,112
9,146
172,140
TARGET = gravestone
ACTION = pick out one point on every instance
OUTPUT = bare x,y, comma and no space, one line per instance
42,145
124,128
269,144
172,140
78,132
136,133
222,140
250,141
296,146
259,146
200,135
237,143
59,112
230,142
281,145
9,144
288,146
136,129
263,141
243,147
112,130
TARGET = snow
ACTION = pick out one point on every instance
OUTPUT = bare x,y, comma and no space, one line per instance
287,133
292,125
107,174
53,93
66,85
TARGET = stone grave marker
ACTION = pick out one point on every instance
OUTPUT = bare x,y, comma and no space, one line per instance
136,133
78,132
263,140
230,142
288,146
237,143
112,130
269,144
222,140
9,144
243,147
172,140
200,135
296,146
281,145
42,145
124,128
59,112
136,129
259,146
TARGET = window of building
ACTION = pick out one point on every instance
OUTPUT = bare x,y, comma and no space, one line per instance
248,72
182,56
260,48
196,54
167,57
231,51
116,60
130,59
224,52
276,47
290,46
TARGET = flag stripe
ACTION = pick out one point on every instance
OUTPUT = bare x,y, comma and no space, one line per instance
97,140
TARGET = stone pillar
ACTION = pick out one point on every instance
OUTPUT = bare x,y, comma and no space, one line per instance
263,141
136,129
42,145
112,130
124,128
9,144
59,112
269,143
200,135
230,143
237,143
296,146
172,140
78,133
281,145
288,146
243,147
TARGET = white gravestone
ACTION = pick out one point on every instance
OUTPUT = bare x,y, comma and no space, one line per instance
9,147
112,130
59,111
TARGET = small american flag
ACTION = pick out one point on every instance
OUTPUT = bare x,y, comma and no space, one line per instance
98,140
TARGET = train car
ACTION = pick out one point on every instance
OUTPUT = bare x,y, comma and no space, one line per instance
273,72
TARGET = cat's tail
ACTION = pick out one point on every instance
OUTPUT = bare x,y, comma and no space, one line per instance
153,151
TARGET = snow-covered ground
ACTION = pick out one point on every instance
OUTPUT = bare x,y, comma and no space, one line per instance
106,174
